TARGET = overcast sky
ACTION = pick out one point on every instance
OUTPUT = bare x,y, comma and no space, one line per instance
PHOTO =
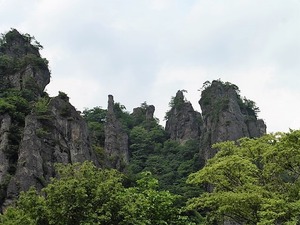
146,50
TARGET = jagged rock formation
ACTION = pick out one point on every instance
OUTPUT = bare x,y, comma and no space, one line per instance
61,136
35,131
150,112
145,112
144,116
21,65
116,139
226,116
183,122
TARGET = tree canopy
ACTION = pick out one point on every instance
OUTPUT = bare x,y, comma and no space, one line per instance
252,181
84,194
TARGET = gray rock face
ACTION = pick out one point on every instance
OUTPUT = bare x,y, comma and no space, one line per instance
5,121
22,67
29,76
30,147
116,139
150,112
18,45
143,114
59,137
225,117
183,122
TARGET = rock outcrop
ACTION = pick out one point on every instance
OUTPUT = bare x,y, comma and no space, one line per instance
21,65
183,122
35,131
58,136
144,115
116,139
226,116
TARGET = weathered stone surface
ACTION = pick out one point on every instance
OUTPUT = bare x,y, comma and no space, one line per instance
30,76
183,122
17,45
59,137
5,121
150,112
116,139
143,115
224,119
29,149
256,128
29,71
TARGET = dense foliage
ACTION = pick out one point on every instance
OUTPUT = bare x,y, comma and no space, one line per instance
253,181
150,150
85,194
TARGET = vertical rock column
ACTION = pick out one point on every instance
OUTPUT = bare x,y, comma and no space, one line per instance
116,139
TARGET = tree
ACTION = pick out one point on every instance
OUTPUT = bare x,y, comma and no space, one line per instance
96,118
253,181
84,194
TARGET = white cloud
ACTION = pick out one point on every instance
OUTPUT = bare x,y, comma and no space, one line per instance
160,4
145,50
170,79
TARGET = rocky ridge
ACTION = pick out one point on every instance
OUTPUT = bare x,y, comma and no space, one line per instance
225,116
37,131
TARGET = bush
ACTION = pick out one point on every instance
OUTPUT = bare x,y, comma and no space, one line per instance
63,96
41,107
6,107
42,133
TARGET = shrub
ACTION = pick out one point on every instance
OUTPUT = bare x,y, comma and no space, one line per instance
63,96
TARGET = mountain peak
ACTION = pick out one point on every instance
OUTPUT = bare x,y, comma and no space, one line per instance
21,65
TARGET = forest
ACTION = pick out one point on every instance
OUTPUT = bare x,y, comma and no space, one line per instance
251,181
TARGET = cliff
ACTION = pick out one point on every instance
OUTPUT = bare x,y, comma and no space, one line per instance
36,131
21,66
226,116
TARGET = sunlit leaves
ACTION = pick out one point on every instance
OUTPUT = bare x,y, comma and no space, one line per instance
252,181
84,194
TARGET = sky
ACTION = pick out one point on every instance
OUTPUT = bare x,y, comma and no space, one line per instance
146,50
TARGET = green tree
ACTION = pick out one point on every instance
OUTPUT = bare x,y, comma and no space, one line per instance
141,143
124,116
253,181
84,194
96,118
